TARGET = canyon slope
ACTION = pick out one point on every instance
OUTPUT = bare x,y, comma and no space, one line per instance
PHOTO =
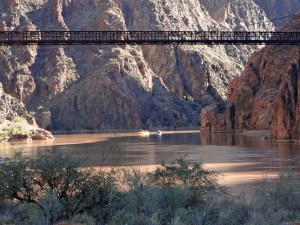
123,87
279,9
266,96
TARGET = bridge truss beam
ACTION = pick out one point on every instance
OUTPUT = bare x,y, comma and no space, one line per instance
148,38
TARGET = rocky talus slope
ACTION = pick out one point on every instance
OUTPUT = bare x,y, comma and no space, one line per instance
123,87
266,95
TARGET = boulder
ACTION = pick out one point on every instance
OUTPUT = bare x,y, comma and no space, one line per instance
41,134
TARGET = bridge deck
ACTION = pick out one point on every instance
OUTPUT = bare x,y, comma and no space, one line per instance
148,38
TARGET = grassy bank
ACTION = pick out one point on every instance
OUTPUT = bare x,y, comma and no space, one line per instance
54,188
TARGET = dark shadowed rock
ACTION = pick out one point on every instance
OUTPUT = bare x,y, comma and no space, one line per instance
266,96
122,87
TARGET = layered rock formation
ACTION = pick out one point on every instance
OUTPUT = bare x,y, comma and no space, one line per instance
11,109
266,95
123,87
277,9
237,15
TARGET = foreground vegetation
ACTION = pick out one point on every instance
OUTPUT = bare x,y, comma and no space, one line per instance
54,188
18,127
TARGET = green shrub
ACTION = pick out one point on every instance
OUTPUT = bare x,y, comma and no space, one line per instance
167,195
20,120
183,173
3,135
277,203
202,184
84,219
18,129
232,210
19,126
57,186
54,188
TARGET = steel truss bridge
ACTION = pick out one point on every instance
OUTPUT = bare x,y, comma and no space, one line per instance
148,38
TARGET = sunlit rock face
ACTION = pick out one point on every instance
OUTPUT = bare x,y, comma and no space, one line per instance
277,9
243,12
238,15
11,107
266,96
123,87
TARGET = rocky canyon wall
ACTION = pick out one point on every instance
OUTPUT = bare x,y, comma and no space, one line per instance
276,9
266,96
123,87
10,108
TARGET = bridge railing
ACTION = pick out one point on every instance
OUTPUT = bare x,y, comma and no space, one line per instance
147,37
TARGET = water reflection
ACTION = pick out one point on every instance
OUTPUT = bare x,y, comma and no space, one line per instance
241,158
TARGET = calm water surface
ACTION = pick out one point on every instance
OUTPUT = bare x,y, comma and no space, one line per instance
242,159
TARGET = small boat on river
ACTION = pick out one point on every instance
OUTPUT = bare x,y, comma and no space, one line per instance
158,132
143,133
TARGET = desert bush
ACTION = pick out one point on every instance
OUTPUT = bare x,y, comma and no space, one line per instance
19,126
286,193
231,210
20,120
183,173
56,186
180,192
17,129
201,183
139,198
277,203
3,135
84,219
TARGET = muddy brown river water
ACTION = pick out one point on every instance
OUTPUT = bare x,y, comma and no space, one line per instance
242,159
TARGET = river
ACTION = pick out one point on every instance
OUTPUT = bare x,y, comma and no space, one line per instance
242,159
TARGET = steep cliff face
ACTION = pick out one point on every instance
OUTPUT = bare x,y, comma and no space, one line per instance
266,95
105,87
11,129
10,108
277,9
241,15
